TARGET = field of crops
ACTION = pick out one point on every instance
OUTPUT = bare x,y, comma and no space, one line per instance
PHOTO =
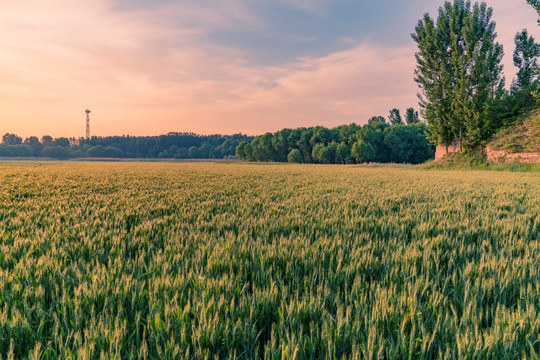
156,260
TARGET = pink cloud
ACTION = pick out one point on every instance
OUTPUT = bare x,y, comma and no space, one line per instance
343,87
134,70
155,71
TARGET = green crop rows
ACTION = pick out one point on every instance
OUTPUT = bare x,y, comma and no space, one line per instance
154,260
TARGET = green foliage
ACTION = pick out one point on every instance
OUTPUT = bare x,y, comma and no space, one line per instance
172,145
346,144
99,151
506,110
364,152
372,144
459,71
295,156
526,60
375,119
395,117
343,153
411,116
61,141
407,144
57,152
523,135
16,150
202,261
11,139
325,154
47,140
477,161
535,4
243,151
34,143
467,160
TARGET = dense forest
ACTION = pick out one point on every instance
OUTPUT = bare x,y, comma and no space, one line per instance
394,139
172,145
377,141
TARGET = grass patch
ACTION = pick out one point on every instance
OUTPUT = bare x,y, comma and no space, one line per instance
522,136
460,161
457,161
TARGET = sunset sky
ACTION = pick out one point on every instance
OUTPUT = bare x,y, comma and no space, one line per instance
148,67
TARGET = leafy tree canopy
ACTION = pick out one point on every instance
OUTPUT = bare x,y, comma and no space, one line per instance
395,117
373,142
459,71
411,116
11,139
525,59
374,119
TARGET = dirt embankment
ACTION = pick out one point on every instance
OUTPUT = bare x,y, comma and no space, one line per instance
519,142
501,156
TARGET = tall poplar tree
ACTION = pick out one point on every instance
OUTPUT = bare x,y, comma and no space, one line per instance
526,60
459,71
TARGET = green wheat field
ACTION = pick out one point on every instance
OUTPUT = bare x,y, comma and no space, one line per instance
249,261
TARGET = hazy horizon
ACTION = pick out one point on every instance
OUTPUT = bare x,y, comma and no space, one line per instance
150,68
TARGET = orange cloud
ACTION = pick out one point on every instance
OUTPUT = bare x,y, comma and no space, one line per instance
155,71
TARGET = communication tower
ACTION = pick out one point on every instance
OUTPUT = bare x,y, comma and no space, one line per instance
87,123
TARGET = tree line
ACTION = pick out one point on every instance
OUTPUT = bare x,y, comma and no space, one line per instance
172,145
463,95
379,140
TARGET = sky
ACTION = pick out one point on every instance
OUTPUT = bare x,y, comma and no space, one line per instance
149,67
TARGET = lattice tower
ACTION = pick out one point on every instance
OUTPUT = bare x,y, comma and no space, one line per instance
87,123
